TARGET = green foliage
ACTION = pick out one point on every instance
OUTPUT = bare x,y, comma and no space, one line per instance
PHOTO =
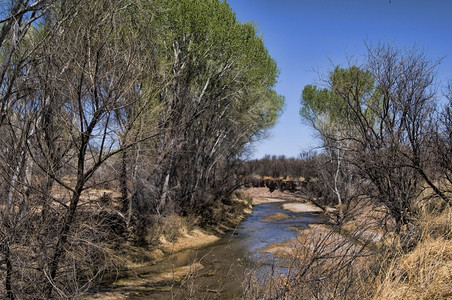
213,44
378,120
352,91
217,97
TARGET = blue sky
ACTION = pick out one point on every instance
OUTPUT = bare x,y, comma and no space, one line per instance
306,38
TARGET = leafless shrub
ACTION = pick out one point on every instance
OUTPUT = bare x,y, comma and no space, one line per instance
322,263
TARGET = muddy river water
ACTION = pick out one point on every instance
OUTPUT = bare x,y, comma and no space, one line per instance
218,271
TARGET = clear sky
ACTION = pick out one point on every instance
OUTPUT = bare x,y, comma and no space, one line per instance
308,37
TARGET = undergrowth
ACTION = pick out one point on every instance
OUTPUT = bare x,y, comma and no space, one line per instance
325,264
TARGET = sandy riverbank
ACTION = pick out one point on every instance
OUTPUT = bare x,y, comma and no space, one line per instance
302,208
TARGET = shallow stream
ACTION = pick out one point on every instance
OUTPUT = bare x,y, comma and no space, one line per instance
221,268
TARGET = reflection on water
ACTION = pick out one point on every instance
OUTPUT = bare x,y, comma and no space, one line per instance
227,261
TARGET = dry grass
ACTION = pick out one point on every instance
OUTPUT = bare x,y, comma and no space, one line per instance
425,272
337,263
276,217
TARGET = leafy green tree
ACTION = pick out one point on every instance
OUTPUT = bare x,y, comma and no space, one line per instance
333,112
219,97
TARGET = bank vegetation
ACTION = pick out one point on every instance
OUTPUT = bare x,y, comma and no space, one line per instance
118,117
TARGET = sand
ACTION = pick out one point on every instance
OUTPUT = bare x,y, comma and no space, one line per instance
302,208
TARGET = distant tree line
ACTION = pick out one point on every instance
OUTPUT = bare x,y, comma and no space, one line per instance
282,167
156,99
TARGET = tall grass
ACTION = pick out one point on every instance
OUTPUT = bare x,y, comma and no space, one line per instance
426,271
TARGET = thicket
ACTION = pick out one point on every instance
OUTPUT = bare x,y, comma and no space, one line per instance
154,99
385,169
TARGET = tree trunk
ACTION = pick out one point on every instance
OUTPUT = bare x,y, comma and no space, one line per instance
62,236
9,273
123,182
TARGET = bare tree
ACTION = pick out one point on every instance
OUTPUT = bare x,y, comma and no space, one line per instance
387,107
72,79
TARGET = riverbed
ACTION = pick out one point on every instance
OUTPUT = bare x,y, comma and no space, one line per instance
219,270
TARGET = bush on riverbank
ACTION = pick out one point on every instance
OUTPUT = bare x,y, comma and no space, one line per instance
356,261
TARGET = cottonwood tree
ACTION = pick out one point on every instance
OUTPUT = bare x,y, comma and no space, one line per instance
332,117
16,120
386,106
16,126
218,98
102,62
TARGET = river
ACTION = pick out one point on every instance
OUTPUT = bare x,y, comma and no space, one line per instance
220,269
